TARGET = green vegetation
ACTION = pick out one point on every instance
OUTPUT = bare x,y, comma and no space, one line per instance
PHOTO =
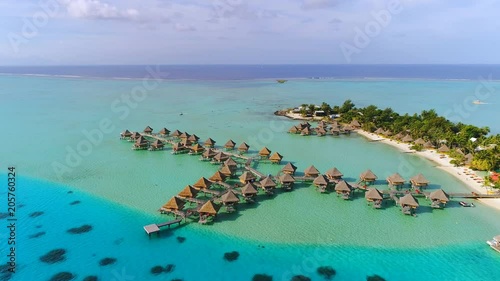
462,139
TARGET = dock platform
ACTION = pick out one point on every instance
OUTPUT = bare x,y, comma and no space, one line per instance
155,228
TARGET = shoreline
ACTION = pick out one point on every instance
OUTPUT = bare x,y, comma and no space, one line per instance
442,164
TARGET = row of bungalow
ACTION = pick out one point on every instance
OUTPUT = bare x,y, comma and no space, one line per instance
323,128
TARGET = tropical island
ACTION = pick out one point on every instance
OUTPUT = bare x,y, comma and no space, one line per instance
465,145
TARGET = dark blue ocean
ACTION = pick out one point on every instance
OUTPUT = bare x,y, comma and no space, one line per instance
241,72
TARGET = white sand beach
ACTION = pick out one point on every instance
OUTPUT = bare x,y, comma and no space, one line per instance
467,176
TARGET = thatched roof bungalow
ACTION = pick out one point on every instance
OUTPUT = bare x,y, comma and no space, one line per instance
148,130
311,171
276,158
289,168
209,143
439,198
202,183
247,177
419,181
174,204
264,152
334,174
230,144
368,176
188,192
395,180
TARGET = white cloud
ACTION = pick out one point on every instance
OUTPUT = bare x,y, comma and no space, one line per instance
318,4
95,9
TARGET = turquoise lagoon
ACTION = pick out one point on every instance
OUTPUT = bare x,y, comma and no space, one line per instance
293,233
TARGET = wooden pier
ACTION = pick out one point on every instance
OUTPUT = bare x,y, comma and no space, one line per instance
155,228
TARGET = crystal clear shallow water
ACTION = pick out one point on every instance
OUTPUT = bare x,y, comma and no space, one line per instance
49,114
116,234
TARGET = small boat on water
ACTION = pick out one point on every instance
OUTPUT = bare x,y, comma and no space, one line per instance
478,102
465,204
495,243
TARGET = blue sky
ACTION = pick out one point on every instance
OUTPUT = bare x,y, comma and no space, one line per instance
55,32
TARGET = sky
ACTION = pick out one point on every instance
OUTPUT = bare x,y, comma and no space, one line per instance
75,32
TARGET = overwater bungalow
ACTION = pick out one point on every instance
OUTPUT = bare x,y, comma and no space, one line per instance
249,191
335,130
321,182
322,124
379,131
267,185
157,145
247,177
220,157
287,181
174,205
276,158
419,181
185,136
196,149
202,184
179,148
185,142
395,180
176,134
229,199
230,144
141,143
311,172
407,138
334,123
164,132
343,188
367,177
408,204
320,132
305,132
148,130
333,174
420,141
188,192
295,130
209,143
347,129
218,177
135,136
355,124
208,154
304,125
428,144
243,148
125,134
193,138
208,211
226,171
231,163
289,168
443,149
439,199
375,196
264,153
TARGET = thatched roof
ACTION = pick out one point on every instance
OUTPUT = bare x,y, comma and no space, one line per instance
193,138
335,123
428,144
229,197
348,128
311,171
148,130
197,148
286,178
267,182
249,188
289,168
398,136
395,179
184,135
175,203
322,124
176,133
226,170
188,192
379,131
420,141
343,186
408,200
419,180
230,144
320,130
320,180
141,141
135,135
373,194
246,177
295,129
164,131
202,183
355,123
243,147
230,162
459,151
209,153
221,157
218,177
185,142
126,133
209,208
335,129
443,149
276,157
439,195
209,142
334,173
468,158
157,143
305,124
306,131
388,133
407,138
368,175
265,152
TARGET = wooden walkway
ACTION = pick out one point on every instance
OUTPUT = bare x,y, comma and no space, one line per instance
155,228
472,195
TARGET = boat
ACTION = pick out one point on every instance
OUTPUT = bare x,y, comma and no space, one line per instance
477,102
281,81
495,243
465,204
